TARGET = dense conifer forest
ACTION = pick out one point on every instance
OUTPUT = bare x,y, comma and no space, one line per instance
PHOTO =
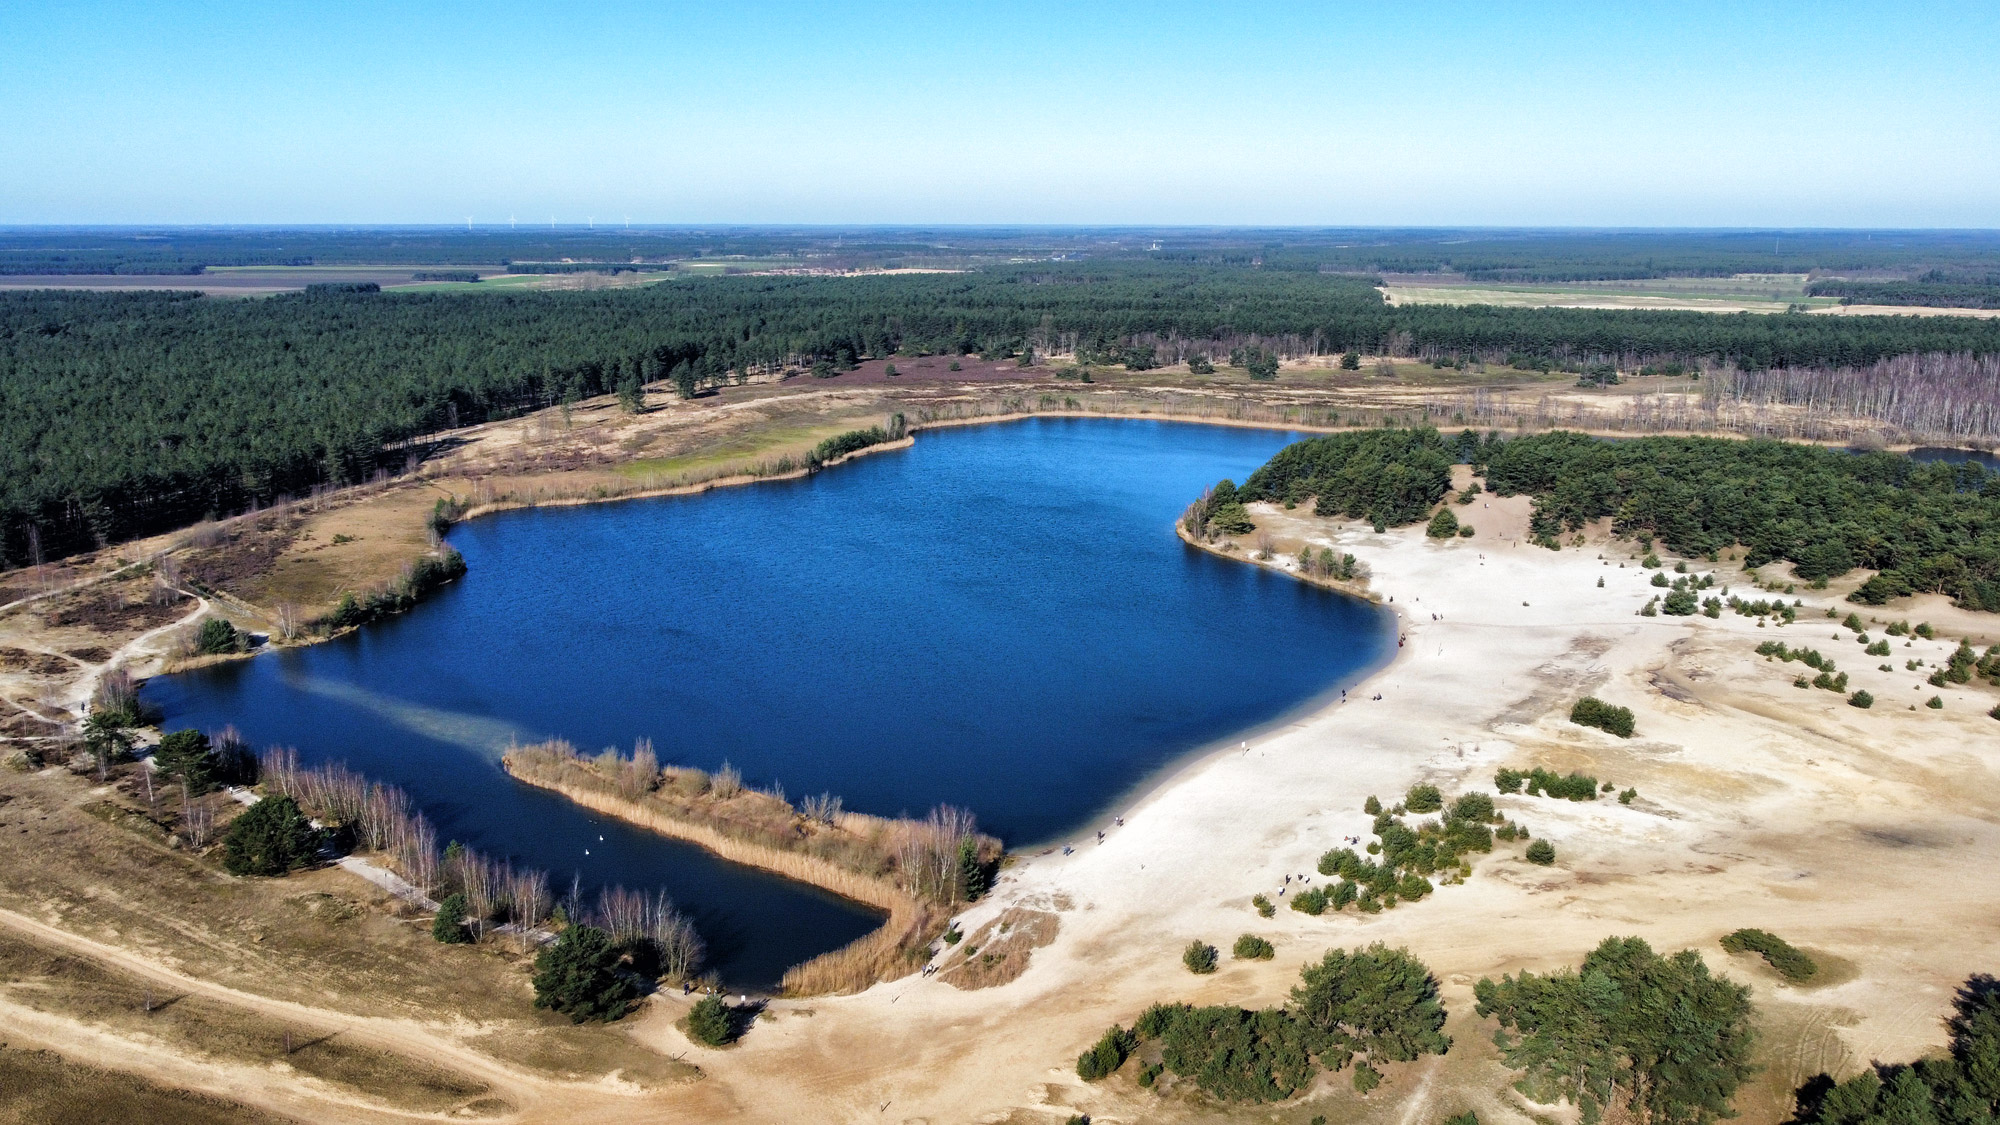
126,413
1935,288
1924,527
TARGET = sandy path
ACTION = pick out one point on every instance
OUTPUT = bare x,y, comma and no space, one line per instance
536,1098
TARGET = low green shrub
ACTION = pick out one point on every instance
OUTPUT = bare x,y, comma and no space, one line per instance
1861,699
1791,963
1444,525
218,637
272,837
1474,808
1593,712
1250,947
710,1023
1541,853
1265,907
1107,1054
1309,902
1199,957
1423,799
448,924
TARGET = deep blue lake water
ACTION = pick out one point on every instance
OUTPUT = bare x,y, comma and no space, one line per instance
1000,618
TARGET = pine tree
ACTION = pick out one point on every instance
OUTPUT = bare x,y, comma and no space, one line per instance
578,976
449,924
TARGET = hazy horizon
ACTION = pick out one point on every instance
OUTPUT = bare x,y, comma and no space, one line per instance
1707,116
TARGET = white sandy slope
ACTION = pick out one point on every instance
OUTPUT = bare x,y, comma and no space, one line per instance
1866,836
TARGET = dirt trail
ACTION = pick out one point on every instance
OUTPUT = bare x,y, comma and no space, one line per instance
533,1098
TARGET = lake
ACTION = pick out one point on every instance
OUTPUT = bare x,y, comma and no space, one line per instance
999,617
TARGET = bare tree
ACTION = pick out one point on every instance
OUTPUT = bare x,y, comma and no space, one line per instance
528,892
287,620
825,808
727,782
929,853
639,774
477,879
197,820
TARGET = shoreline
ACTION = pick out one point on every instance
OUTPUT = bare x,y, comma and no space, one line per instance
1320,704
908,923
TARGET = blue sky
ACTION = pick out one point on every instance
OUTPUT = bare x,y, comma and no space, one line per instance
1737,114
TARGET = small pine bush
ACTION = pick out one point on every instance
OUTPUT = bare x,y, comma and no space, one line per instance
1199,957
1936,703
1593,712
1790,963
1265,908
1310,902
1107,1054
1366,1078
1250,947
1424,799
448,925
1628,796
1861,699
709,1022
1371,806
1541,853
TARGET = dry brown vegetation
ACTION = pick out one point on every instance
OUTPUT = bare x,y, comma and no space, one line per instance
999,951
896,865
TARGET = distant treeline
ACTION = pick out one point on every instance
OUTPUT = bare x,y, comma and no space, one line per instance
1479,254
129,413
583,267
1933,292
445,275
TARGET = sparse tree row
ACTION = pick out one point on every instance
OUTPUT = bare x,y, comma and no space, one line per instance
646,934
1944,395
127,413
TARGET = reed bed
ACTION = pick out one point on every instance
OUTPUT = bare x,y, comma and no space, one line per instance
909,868
379,818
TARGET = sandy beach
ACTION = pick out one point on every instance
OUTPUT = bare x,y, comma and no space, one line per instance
1760,804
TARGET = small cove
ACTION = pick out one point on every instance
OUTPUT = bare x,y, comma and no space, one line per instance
999,617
